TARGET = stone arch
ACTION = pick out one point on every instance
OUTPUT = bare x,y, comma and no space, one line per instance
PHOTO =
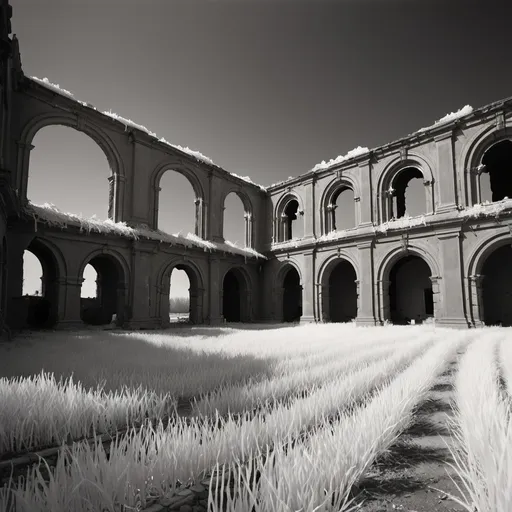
83,124
236,295
112,278
248,213
288,295
196,291
327,286
385,279
328,202
475,272
283,220
396,175
176,165
472,160
46,310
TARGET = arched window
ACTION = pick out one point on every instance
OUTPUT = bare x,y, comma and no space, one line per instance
177,205
292,224
340,210
67,168
235,221
496,172
406,195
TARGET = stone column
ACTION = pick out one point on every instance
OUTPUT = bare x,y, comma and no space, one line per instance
476,299
437,297
309,207
452,311
215,299
446,190
366,194
383,294
366,302
308,289
70,288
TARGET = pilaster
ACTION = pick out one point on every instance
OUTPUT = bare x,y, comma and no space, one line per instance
446,189
308,289
366,302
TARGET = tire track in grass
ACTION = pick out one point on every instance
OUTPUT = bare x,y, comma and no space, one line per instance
407,475
156,459
319,473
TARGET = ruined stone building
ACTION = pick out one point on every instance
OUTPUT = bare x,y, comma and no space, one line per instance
304,261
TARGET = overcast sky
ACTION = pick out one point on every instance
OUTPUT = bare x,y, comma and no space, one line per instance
264,88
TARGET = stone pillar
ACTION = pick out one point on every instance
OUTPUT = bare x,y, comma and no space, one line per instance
277,309
215,289
366,194
452,311
23,158
446,189
308,289
309,208
476,299
322,302
69,310
436,296
163,302
215,209
383,295
366,302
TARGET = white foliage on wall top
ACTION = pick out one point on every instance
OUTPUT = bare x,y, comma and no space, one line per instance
51,215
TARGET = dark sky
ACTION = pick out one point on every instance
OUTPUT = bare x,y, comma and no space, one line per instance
264,88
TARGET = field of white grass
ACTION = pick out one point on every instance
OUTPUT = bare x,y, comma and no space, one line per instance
284,418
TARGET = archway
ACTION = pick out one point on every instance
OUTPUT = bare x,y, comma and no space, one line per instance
410,291
234,220
497,287
235,298
179,295
340,301
109,303
177,204
180,281
40,288
292,295
497,172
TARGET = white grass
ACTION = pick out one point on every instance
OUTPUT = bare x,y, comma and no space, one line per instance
42,412
318,474
483,429
309,376
154,459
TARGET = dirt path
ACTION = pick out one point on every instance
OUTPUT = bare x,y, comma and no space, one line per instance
403,479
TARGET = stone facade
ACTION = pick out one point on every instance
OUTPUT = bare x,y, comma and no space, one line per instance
386,267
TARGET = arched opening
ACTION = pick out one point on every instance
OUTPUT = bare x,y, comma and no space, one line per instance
410,291
497,287
235,297
107,305
292,296
177,205
179,296
341,210
89,288
234,222
407,194
69,170
341,298
40,288
497,165
293,225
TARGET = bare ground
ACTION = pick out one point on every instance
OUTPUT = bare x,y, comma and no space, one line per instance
414,476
